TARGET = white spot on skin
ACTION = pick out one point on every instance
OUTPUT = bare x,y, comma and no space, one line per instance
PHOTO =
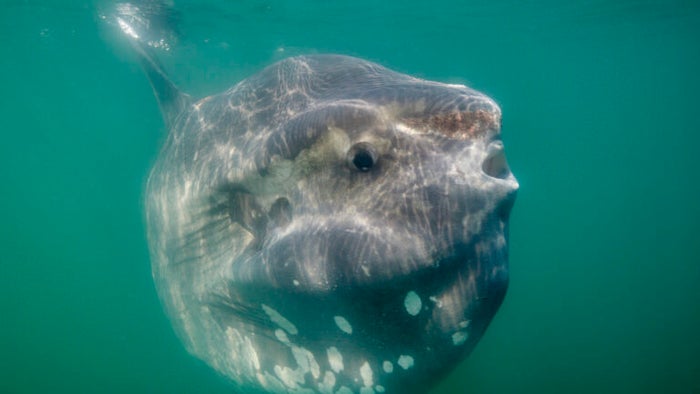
365,269
366,390
343,324
243,353
289,377
500,241
459,338
366,374
464,324
271,383
326,387
405,362
282,336
344,390
413,303
379,388
293,378
335,359
306,362
280,320
296,282
388,367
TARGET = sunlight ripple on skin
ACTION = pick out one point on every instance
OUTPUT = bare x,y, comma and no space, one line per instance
326,219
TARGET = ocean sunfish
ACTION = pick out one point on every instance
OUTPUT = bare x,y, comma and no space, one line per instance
328,225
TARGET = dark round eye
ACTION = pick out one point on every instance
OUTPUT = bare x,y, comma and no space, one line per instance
362,156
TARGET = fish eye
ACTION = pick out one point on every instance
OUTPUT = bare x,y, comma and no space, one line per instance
362,156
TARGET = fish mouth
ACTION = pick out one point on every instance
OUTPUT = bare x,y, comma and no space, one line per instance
495,164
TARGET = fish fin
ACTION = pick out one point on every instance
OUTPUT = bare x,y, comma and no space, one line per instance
151,24
171,100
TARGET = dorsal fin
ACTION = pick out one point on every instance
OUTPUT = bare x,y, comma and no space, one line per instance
171,100
148,25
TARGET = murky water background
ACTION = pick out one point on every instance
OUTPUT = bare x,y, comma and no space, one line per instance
601,127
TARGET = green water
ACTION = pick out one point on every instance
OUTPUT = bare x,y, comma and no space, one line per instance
601,127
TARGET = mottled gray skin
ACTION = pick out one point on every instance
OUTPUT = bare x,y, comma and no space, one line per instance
289,269
328,225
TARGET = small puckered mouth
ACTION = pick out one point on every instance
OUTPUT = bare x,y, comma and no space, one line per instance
495,164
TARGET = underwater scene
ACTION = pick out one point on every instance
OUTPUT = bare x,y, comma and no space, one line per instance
268,196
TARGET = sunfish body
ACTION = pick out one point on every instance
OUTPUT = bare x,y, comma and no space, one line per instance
329,225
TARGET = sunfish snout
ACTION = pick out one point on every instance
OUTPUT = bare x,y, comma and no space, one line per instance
503,184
